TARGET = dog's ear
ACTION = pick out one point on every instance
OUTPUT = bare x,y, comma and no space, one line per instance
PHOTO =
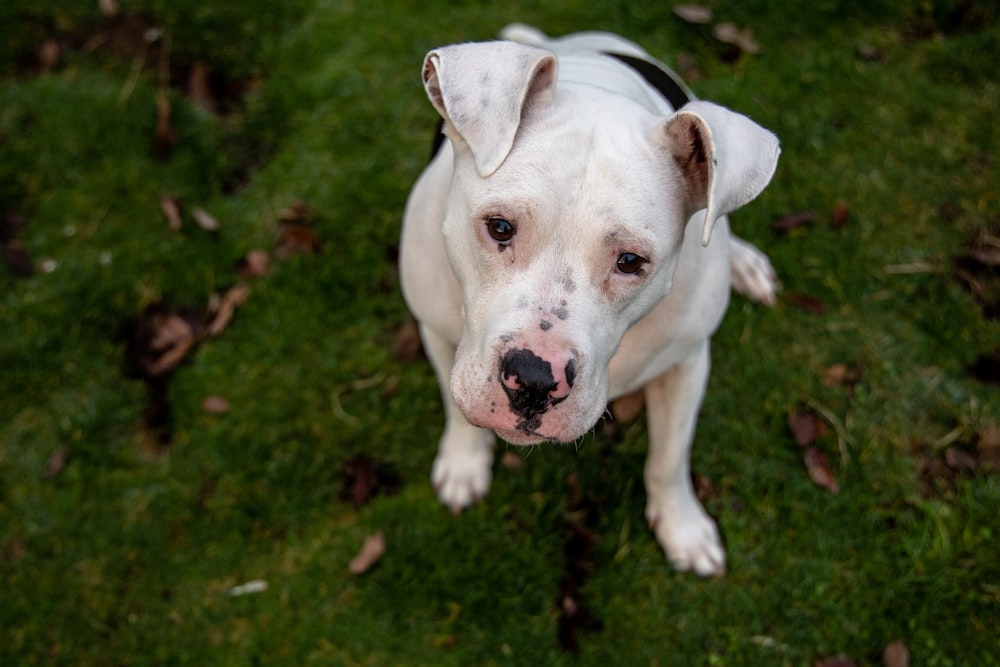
481,91
726,158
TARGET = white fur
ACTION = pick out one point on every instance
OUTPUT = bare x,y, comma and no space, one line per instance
589,165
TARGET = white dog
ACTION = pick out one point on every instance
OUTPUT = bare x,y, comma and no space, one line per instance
568,245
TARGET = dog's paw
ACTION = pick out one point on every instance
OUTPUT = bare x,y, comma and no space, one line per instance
753,275
690,540
462,478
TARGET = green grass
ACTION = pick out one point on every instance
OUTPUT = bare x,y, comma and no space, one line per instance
125,554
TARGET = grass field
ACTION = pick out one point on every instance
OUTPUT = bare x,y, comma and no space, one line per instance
153,154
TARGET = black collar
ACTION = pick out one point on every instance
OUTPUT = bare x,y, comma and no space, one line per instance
658,78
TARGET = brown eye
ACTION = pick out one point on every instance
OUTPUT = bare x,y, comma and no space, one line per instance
629,262
501,230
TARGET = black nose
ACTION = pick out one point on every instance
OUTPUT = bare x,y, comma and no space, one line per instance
527,380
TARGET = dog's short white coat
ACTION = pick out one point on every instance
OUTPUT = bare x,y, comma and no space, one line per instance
588,164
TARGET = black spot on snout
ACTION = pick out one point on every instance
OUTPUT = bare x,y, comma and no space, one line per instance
545,325
562,312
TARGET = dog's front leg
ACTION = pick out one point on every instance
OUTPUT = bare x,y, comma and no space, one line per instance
687,534
463,467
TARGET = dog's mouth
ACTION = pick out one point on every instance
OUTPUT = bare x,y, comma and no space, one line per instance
523,437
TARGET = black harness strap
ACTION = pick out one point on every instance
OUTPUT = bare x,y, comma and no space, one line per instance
659,79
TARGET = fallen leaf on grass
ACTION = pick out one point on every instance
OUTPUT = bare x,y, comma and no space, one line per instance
297,212
215,405
254,264
171,208
295,238
48,55
371,552
838,661
205,219
728,33
408,345
896,655
819,469
841,212
363,478
806,303
57,462
704,488
987,443
841,375
173,337
199,88
109,8
233,298
787,223
693,13
511,461
806,427
164,137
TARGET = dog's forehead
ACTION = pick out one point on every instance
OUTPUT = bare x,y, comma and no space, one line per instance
595,167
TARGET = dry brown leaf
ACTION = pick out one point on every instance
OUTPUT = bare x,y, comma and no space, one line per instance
199,88
164,137
804,302
297,239
371,552
986,255
172,339
297,212
806,427
408,345
254,265
171,208
628,407
56,462
743,39
988,446
704,488
215,404
693,13
840,375
791,221
841,212
48,55
109,8
837,661
511,461
819,469
234,297
957,458
205,219
896,655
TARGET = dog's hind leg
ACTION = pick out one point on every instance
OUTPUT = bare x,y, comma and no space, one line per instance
685,531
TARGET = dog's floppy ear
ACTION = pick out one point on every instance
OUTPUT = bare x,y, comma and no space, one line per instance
726,158
481,90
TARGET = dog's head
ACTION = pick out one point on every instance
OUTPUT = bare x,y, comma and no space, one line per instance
564,225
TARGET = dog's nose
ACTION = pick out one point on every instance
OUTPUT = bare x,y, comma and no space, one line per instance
530,384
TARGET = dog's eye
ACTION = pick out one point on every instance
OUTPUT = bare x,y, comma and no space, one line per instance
501,230
629,262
